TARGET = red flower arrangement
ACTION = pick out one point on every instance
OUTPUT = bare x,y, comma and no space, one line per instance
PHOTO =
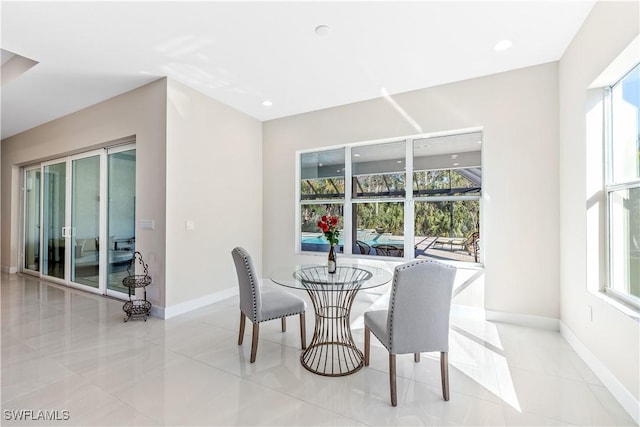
329,227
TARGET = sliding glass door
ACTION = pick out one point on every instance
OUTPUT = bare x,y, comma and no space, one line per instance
121,215
86,205
54,223
85,221
31,240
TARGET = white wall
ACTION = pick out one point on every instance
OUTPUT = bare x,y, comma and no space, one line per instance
214,178
611,336
518,111
197,160
140,113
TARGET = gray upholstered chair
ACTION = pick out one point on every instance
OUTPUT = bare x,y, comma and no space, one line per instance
260,306
417,320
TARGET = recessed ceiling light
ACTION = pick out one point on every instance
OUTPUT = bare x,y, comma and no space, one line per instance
356,155
454,156
322,31
456,164
320,164
479,142
502,45
267,103
399,161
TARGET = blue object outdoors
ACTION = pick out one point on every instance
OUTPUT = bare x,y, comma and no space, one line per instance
320,244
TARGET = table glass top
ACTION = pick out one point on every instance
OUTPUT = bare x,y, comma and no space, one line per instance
304,276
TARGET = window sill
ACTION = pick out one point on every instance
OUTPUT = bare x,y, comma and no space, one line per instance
621,306
392,260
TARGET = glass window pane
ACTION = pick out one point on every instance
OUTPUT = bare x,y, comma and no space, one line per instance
32,220
448,230
447,165
447,182
122,216
85,221
379,228
379,170
624,208
625,109
312,238
322,175
53,220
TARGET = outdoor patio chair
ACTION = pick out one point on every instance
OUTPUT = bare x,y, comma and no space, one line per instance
363,247
259,305
463,243
441,241
389,250
472,244
417,320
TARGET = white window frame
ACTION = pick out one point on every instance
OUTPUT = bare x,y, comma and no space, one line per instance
348,200
611,187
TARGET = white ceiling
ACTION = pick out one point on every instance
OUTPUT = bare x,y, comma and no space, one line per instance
243,53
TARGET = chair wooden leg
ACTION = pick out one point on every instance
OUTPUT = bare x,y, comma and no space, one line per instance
367,345
284,324
303,332
242,322
254,341
416,357
444,373
392,379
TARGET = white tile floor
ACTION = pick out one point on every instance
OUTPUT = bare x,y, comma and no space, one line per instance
69,351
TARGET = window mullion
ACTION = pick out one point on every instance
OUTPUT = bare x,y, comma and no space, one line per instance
409,228
349,227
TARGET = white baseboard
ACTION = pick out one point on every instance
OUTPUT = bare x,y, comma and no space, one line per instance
615,387
9,270
528,320
184,307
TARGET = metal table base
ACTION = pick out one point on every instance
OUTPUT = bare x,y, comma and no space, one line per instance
332,351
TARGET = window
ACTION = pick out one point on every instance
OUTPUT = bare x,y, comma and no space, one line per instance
322,192
412,197
378,189
447,183
379,171
322,175
623,187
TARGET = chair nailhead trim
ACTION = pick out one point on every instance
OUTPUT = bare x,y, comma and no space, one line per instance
253,292
244,256
285,315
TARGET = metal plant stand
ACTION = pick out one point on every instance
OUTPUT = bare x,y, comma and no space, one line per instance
134,308
332,351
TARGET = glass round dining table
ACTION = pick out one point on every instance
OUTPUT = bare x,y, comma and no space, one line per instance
332,351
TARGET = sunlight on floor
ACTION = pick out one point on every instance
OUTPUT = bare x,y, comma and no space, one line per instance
476,352
484,361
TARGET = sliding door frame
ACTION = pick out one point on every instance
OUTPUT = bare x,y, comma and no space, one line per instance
100,153
105,223
24,213
69,228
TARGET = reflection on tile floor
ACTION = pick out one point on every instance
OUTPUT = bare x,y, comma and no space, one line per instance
65,350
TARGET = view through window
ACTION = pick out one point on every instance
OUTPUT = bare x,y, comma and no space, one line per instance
413,197
623,187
